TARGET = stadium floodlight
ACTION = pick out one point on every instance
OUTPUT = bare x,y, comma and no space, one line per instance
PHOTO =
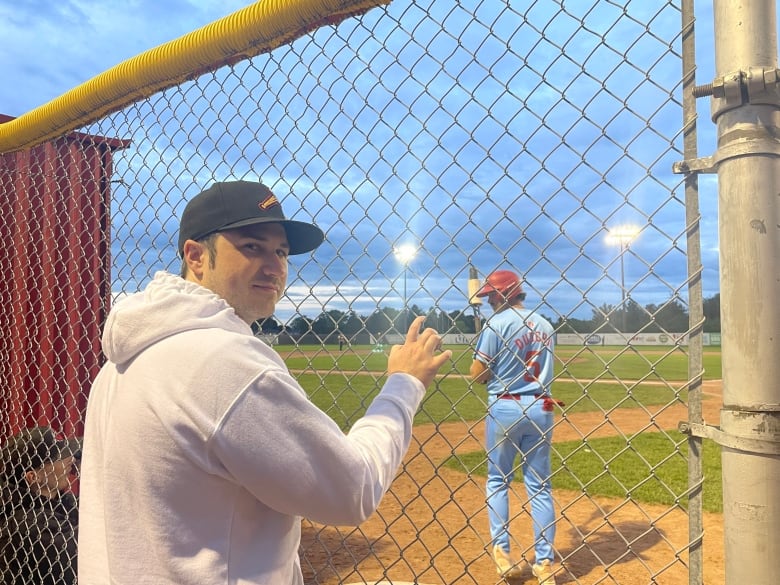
622,236
405,253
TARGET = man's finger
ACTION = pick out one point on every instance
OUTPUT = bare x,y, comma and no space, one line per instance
434,340
414,328
442,358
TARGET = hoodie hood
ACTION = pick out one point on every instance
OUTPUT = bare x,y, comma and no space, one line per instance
167,306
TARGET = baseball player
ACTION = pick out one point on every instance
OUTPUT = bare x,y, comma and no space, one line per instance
514,357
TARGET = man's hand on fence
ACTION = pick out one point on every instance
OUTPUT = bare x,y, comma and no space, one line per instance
420,355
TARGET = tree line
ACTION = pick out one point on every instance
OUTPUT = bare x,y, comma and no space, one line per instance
669,316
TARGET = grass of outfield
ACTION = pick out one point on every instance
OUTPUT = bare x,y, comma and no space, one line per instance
579,362
587,379
653,470
591,378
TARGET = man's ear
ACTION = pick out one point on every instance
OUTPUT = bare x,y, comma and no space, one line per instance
30,477
195,255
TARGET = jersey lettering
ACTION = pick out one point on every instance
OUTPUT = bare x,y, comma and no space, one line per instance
532,337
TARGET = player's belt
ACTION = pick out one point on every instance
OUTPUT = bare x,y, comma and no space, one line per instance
548,404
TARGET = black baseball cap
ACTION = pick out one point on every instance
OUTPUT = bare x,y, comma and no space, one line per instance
32,448
234,204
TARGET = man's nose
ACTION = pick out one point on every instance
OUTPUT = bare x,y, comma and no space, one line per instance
275,266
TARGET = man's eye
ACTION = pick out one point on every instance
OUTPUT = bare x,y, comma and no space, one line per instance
283,253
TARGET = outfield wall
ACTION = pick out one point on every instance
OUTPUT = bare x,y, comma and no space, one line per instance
667,339
592,339
632,339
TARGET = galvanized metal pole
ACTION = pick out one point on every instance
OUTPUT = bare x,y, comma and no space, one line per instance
746,109
474,301
695,301
623,308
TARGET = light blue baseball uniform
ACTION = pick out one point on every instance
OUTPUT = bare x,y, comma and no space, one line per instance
517,345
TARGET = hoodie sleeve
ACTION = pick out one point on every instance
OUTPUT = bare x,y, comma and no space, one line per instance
294,458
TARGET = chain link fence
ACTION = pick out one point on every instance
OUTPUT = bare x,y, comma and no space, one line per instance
478,135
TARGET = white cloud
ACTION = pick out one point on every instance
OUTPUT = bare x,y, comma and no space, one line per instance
49,47
450,181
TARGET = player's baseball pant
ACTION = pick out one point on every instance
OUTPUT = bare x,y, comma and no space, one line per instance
519,426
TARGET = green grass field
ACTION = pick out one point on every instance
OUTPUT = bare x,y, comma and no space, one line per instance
601,378
572,362
587,379
654,469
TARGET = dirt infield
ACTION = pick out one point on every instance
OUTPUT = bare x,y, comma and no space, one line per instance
432,526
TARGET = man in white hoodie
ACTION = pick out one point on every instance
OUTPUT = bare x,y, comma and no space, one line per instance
201,452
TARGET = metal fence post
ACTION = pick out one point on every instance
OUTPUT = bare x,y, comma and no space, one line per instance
745,107
695,302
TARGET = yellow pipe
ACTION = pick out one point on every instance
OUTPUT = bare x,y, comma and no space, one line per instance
258,28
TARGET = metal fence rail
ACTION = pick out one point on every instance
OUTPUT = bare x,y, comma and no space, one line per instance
539,138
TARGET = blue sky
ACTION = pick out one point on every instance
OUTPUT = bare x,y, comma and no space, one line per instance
571,138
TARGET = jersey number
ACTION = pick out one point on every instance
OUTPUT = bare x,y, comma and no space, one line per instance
532,366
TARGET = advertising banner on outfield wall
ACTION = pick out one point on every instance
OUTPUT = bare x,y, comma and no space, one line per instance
632,339
596,339
470,339
622,339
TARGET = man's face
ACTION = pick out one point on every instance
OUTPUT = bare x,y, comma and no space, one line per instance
54,476
250,269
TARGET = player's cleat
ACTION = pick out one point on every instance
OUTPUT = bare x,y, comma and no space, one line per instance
506,567
544,572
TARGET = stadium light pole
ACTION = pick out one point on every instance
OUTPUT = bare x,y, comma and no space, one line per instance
622,236
473,288
405,253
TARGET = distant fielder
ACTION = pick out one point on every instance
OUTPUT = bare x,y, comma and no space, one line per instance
514,357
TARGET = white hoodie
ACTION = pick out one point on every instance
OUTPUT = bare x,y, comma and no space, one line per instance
201,452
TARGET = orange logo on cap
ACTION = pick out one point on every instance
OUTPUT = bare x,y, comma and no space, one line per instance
268,202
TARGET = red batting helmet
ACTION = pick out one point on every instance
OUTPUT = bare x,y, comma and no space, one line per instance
505,282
